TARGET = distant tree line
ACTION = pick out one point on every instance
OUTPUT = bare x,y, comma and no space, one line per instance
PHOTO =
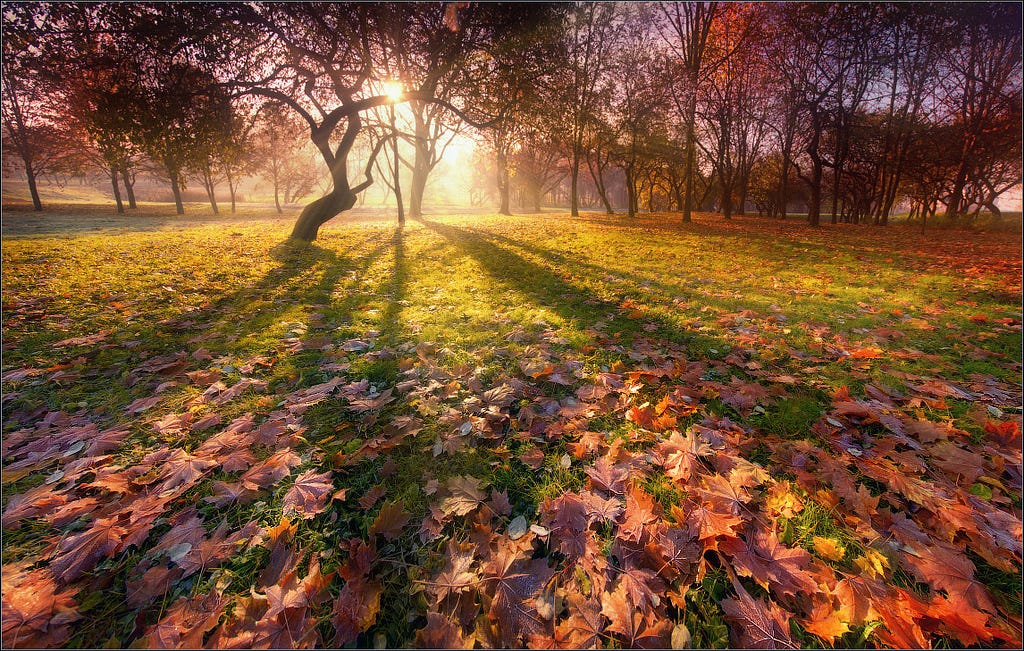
845,111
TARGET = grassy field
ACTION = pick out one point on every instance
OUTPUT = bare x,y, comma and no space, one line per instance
510,431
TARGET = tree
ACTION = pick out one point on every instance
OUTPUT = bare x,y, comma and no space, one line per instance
29,128
687,30
589,35
983,95
638,99
279,138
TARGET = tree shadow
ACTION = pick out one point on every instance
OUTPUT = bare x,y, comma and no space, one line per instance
549,289
390,323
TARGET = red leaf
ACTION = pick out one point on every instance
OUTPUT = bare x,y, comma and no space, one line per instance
608,477
77,554
441,633
186,622
628,621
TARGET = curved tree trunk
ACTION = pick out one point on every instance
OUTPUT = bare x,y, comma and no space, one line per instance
318,213
37,205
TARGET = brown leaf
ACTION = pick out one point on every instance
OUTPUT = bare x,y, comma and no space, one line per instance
390,521
465,494
947,569
515,583
186,622
773,565
372,495
78,554
606,476
35,613
308,495
631,624
533,458
759,624
355,610
270,471
441,633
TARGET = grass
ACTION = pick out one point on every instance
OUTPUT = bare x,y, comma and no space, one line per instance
751,298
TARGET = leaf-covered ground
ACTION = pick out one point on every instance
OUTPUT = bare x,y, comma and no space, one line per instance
527,431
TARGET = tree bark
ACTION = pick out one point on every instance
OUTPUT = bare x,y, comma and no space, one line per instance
231,189
277,194
179,207
208,184
320,212
117,191
574,199
503,183
129,186
30,176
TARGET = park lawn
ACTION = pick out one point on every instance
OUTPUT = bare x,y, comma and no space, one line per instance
737,429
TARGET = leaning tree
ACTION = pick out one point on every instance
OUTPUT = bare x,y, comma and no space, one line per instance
322,61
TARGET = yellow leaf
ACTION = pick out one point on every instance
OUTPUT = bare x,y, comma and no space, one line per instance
828,548
872,563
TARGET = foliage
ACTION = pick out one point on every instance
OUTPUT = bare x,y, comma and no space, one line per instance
512,431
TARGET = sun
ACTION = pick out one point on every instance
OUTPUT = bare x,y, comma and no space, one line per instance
393,89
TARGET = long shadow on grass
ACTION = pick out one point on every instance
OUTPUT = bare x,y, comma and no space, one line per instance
390,324
549,289
632,280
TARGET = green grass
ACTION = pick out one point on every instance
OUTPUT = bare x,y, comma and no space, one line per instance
748,298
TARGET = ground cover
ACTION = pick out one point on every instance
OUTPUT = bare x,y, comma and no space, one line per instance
512,431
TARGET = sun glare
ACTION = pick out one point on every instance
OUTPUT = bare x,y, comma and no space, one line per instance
393,89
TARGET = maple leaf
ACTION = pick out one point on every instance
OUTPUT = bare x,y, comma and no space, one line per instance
465,494
583,628
566,517
707,523
771,563
182,469
390,521
499,502
606,476
633,625
533,458
154,582
210,552
515,583
441,633
372,495
723,493
600,509
308,495
760,624
826,621
272,470
456,577
947,569
35,613
355,610
76,555
641,512
673,552
186,622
